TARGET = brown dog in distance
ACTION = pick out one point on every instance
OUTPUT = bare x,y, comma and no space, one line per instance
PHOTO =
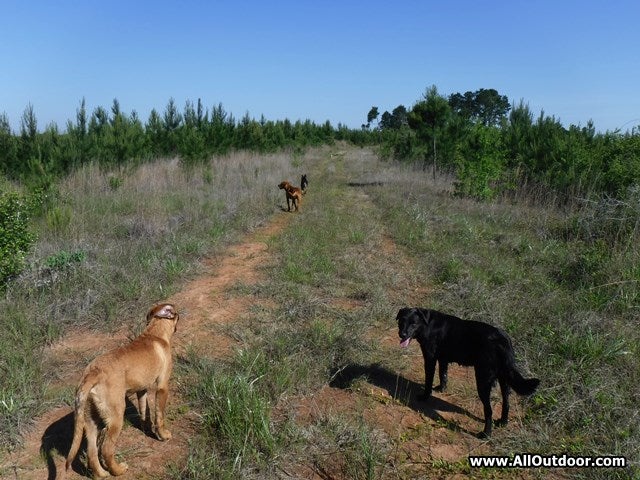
293,194
144,364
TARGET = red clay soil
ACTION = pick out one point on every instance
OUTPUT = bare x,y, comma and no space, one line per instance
421,437
206,306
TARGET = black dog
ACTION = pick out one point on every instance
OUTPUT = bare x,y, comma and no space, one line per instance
303,183
445,339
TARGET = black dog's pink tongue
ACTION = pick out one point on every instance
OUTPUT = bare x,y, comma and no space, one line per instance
405,343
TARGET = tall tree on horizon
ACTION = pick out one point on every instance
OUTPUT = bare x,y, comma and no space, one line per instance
172,119
394,120
372,115
428,118
485,106
8,148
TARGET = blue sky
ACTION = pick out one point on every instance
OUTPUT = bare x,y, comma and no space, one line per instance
319,60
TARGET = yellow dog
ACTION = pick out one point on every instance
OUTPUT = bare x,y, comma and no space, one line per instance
143,364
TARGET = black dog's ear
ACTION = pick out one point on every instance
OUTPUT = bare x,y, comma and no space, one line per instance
424,315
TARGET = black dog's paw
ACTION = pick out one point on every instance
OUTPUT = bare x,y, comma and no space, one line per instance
440,388
484,435
502,422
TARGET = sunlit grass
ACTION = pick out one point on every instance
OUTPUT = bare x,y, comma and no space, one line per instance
108,249
372,236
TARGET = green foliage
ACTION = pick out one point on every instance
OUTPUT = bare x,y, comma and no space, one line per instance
429,116
8,148
58,218
64,259
492,153
394,120
114,139
485,106
372,115
586,265
16,238
115,182
621,162
481,165
236,410
191,146
429,119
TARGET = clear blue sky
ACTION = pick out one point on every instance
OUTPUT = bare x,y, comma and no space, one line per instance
319,60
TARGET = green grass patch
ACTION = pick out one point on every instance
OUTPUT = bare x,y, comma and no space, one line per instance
107,248
569,304
563,284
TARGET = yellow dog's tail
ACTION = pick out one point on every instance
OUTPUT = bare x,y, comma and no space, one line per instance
79,416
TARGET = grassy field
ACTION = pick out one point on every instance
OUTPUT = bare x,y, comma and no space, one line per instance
371,237
554,280
113,243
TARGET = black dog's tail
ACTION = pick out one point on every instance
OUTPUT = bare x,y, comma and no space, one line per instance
521,385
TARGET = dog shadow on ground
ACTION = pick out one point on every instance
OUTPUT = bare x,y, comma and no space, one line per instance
403,390
56,440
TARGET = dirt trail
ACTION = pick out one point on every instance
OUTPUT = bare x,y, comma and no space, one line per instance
426,437
206,307
422,435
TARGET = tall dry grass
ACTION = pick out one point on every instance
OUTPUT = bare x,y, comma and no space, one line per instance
113,242
563,283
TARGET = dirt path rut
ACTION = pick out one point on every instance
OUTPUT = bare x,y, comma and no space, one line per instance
206,307
421,435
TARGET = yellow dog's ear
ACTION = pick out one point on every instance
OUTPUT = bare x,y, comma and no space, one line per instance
165,310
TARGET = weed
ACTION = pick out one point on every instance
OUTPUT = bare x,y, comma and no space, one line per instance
16,238
58,219
236,414
366,454
64,259
114,182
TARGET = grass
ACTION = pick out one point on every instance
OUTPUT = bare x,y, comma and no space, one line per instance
564,284
516,266
317,265
109,248
237,409
570,303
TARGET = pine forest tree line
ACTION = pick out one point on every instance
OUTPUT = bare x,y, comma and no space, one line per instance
113,137
494,147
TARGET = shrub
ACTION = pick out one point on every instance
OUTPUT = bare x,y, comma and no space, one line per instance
58,218
480,168
15,237
64,259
